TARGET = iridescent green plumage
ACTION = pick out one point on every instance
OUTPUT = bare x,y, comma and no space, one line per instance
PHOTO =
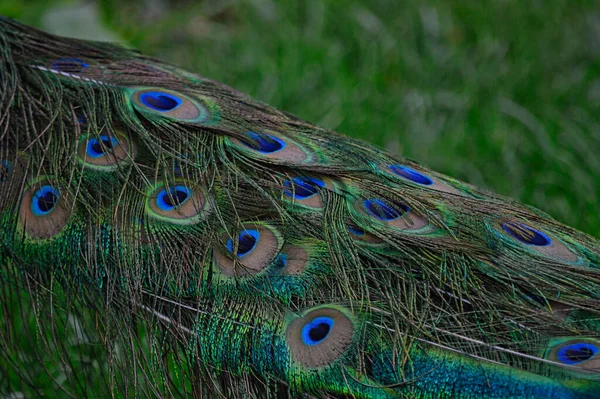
270,257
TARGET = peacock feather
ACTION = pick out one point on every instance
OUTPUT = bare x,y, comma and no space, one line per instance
263,255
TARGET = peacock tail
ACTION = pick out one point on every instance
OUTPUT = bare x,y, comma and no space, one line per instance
265,256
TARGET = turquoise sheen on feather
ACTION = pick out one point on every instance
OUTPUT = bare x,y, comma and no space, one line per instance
218,247
438,374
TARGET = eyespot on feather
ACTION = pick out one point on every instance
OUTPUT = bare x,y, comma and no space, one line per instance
360,234
394,214
526,234
106,151
80,117
296,260
68,65
171,104
306,190
414,176
263,142
246,243
384,210
249,251
578,352
411,174
272,146
44,210
302,188
182,202
536,240
320,337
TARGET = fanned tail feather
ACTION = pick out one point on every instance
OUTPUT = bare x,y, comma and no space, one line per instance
263,256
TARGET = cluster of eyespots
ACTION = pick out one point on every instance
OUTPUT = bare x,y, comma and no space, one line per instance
246,243
5,169
526,234
180,203
170,104
69,65
263,142
411,174
319,337
384,210
302,187
577,352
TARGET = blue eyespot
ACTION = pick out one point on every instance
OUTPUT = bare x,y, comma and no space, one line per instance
247,241
577,353
317,330
5,169
69,65
171,198
160,101
97,148
177,168
384,210
263,142
81,118
355,230
44,200
527,235
280,262
302,187
411,174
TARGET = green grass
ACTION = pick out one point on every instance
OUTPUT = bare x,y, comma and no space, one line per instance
501,94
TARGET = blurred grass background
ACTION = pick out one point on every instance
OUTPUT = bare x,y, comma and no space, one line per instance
503,94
